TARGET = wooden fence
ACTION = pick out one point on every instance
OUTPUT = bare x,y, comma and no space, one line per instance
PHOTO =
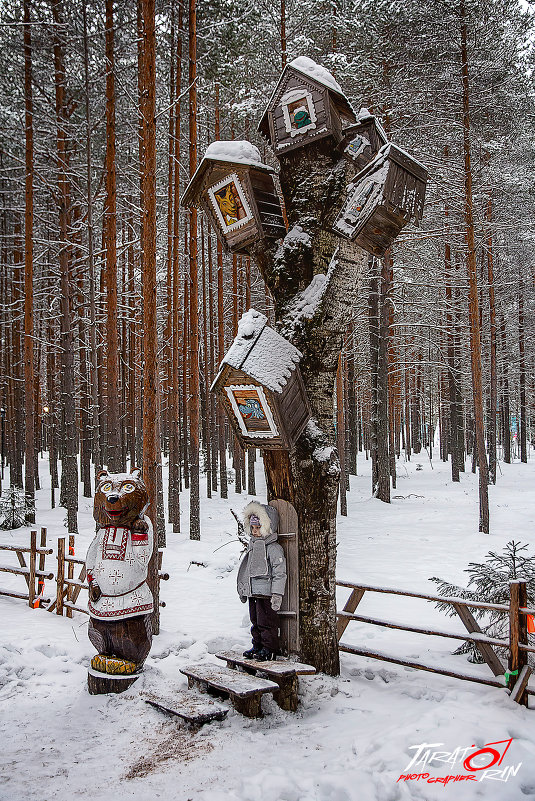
32,572
515,678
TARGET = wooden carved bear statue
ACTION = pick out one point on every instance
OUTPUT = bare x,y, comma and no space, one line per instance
120,601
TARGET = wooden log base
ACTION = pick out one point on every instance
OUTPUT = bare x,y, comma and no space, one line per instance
101,683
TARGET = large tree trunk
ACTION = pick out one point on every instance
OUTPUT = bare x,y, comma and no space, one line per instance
69,471
475,333
313,181
493,332
194,420
151,445
113,442
29,406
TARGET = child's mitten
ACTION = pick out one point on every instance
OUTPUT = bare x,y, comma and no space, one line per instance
276,601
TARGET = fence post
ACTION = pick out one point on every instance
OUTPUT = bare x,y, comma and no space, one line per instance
42,557
70,574
33,554
60,575
518,633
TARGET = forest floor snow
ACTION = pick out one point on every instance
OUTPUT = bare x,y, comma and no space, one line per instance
353,736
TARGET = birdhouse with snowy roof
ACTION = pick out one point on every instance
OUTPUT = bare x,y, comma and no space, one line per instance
363,141
387,194
260,386
307,104
239,194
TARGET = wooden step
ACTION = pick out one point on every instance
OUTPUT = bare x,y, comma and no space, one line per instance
275,667
188,706
245,692
284,671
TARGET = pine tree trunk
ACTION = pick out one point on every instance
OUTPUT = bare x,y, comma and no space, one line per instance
29,407
194,422
493,370
97,457
114,456
522,373
475,334
452,371
505,404
151,445
69,471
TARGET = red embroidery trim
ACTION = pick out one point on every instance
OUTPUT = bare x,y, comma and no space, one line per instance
122,612
115,552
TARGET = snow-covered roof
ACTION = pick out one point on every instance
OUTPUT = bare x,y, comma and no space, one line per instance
238,151
234,151
315,71
261,353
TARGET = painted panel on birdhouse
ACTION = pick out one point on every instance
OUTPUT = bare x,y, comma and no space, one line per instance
363,141
252,410
298,111
230,203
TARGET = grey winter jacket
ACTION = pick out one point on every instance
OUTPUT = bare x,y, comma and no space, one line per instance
274,582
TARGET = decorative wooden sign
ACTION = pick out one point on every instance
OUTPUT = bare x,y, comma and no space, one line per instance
260,386
363,141
383,198
238,193
306,105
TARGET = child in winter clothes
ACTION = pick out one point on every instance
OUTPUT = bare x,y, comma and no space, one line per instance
262,579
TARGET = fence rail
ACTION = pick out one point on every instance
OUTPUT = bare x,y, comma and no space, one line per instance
34,572
515,678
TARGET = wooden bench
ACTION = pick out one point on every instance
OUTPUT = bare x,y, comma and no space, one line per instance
284,672
245,692
194,710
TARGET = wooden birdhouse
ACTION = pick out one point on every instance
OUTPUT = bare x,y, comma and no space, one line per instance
363,141
261,388
387,194
306,105
238,193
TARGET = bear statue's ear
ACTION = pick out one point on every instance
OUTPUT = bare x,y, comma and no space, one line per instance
101,474
136,472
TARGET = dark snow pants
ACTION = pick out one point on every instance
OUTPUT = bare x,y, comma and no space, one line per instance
265,624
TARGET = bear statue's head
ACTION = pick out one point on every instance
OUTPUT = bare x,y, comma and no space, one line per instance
120,498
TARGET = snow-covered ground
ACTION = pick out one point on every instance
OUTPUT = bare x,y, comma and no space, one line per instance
353,736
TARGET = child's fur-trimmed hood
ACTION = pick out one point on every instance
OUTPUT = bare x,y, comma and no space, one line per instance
268,516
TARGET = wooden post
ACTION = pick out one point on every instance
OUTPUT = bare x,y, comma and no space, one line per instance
33,554
60,575
42,557
518,633
70,574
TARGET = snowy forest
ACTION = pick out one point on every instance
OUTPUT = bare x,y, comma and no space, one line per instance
121,304
441,335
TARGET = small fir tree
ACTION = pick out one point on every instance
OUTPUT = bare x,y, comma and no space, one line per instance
15,508
489,582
